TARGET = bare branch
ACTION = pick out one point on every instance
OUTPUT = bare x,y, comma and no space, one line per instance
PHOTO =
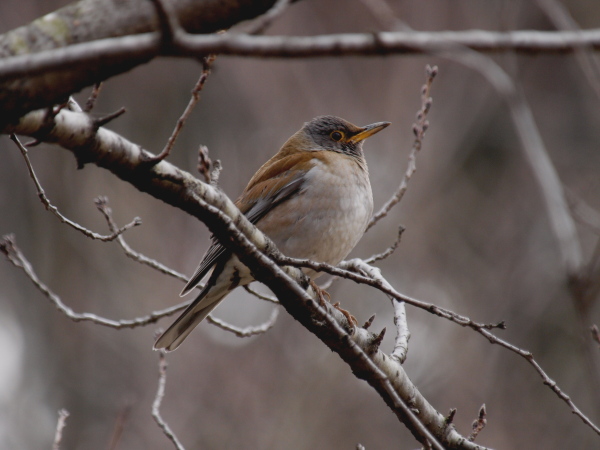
54,210
104,57
387,252
419,129
360,272
160,393
264,297
148,45
248,331
104,21
105,120
16,257
402,333
60,426
102,205
206,66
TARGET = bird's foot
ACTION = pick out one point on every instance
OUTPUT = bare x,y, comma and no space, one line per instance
321,293
349,317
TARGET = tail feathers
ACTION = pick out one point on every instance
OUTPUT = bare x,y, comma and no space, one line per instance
189,319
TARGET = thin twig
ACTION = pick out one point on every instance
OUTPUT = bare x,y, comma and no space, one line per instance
102,205
387,252
248,331
267,298
419,129
54,210
160,393
60,426
16,257
104,120
358,271
206,67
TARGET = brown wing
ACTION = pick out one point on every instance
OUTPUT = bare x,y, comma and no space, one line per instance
275,182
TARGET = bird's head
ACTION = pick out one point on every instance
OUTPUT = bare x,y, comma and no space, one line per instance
333,134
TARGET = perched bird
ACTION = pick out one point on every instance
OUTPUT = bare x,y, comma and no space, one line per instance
313,199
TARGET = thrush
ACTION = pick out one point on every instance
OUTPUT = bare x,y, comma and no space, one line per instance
313,199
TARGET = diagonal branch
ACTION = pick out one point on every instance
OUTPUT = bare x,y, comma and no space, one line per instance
16,257
116,231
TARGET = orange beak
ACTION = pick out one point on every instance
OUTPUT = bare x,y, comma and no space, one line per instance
368,131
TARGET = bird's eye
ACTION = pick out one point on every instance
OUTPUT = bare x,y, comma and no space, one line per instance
337,136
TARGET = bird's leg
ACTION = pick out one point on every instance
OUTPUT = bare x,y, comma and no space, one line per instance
349,317
322,293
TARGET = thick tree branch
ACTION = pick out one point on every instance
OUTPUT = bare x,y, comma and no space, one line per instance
31,81
86,21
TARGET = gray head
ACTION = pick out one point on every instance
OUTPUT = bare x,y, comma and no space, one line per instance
334,134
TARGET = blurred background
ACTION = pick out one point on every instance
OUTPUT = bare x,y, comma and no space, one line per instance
477,241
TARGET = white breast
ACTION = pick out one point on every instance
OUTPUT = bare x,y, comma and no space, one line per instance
327,219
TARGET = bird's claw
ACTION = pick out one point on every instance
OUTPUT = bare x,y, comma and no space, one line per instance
321,293
349,317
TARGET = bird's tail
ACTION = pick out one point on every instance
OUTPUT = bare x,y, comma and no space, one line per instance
201,307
